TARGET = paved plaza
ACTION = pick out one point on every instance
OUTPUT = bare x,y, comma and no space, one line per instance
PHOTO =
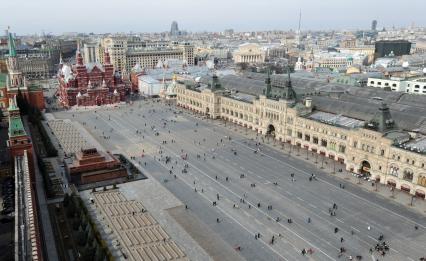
240,190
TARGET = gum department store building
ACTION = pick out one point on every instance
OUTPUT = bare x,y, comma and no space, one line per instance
334,121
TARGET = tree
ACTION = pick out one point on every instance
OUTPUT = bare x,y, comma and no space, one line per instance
70,209
99,253
81,236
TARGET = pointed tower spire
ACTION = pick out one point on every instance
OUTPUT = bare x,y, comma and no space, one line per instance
11,44
268,84
290,94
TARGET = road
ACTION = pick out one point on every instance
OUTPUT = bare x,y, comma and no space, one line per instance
360,218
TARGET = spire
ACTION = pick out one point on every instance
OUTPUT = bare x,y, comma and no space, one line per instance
61,61
12,104
268,84
290,94
384,119
288,85
11,45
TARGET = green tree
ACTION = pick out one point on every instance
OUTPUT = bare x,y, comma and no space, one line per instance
81,236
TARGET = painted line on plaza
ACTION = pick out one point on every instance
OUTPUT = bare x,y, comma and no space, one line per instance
355,229
335,186
300,199
312,205
341,221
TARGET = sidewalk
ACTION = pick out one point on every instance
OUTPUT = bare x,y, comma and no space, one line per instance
331,167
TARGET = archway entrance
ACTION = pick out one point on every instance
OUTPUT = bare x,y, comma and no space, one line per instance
365,168
207,111
270,130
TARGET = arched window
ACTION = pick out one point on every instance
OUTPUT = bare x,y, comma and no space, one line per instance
422,180
408,175
393,170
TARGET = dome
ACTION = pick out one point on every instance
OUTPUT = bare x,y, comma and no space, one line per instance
79,94
405,64
424,70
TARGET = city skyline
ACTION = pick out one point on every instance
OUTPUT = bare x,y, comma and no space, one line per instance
97,17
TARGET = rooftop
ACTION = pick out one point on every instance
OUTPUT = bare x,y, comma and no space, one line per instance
416,145
16,128
336,119
409,111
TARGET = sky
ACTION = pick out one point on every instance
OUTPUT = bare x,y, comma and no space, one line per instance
58,16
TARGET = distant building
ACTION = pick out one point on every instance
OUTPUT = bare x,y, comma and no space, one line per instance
249,53
89,53
174,29
412,86
126,52
374,25
90,84
386,47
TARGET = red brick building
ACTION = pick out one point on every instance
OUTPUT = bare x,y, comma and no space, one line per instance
14,82
90,84
92,165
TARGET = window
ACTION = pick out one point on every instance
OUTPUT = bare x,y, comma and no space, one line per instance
315,140
408,175
382,152
324,143
299,134
342,148
355,144
307,137
393,170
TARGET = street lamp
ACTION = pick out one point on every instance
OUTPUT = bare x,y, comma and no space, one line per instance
412,199
393,191
307,152
322,162
316,158
334,167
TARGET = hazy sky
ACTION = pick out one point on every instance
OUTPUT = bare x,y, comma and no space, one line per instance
57,16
